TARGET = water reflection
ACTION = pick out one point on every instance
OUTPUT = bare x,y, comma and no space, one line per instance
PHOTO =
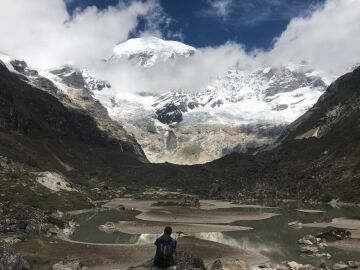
147,239
272,237
243,242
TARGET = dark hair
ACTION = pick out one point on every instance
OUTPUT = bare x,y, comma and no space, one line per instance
168,230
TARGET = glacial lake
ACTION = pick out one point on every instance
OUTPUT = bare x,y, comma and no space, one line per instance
272,237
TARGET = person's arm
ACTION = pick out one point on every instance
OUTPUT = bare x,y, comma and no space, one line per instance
174,244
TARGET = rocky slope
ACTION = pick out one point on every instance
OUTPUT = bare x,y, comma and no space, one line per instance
240,111
316,158
53,146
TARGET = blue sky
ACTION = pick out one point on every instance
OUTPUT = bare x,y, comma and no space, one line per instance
201,23
50,33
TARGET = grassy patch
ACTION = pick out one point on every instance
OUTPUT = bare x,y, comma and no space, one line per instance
36,262
308,134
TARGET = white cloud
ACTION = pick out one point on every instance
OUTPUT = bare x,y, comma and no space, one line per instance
43,33
192,73
329,38
219,8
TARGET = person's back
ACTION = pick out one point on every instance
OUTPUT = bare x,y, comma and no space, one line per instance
165,247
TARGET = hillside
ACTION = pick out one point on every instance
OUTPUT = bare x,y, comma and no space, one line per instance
41,134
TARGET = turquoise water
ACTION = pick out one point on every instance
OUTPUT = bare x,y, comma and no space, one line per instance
271,237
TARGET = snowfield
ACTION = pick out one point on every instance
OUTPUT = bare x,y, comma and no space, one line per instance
54,181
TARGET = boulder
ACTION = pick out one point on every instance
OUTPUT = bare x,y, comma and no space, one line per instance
309,240
69,264
186,261
340,266
216,265
333,234
354,264
309,250
295,224
350,265
305,242
33,228
230,265
235,265
10,260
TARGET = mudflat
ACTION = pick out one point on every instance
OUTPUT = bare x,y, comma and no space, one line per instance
212,212
112,257
144,227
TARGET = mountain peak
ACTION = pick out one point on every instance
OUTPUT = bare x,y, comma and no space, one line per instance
146,51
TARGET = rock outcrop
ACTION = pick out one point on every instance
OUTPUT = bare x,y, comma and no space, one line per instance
69,263
10,260
333,234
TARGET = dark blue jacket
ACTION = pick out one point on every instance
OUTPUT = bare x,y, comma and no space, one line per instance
165,248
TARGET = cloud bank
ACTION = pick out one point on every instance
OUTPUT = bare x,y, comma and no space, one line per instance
192,73
46,35
329,38
43,33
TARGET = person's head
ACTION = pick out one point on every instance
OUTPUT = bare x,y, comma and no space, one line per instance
168,230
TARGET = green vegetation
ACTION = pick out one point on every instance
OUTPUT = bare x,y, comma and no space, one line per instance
36,262
307,134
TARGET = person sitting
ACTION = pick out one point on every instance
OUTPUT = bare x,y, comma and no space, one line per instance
165,248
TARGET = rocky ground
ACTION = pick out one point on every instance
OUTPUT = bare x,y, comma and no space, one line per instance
312,245
42,239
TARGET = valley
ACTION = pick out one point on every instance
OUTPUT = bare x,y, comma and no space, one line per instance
87,174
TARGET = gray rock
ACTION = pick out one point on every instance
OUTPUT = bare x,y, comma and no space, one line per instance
354,264
333,234
69,264
186,261
340,266
309,250
10,260
216,265
169,114
33,228
309,240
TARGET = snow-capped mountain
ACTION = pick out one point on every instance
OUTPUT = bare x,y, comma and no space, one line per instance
271,94
236,112
239,111
147,51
